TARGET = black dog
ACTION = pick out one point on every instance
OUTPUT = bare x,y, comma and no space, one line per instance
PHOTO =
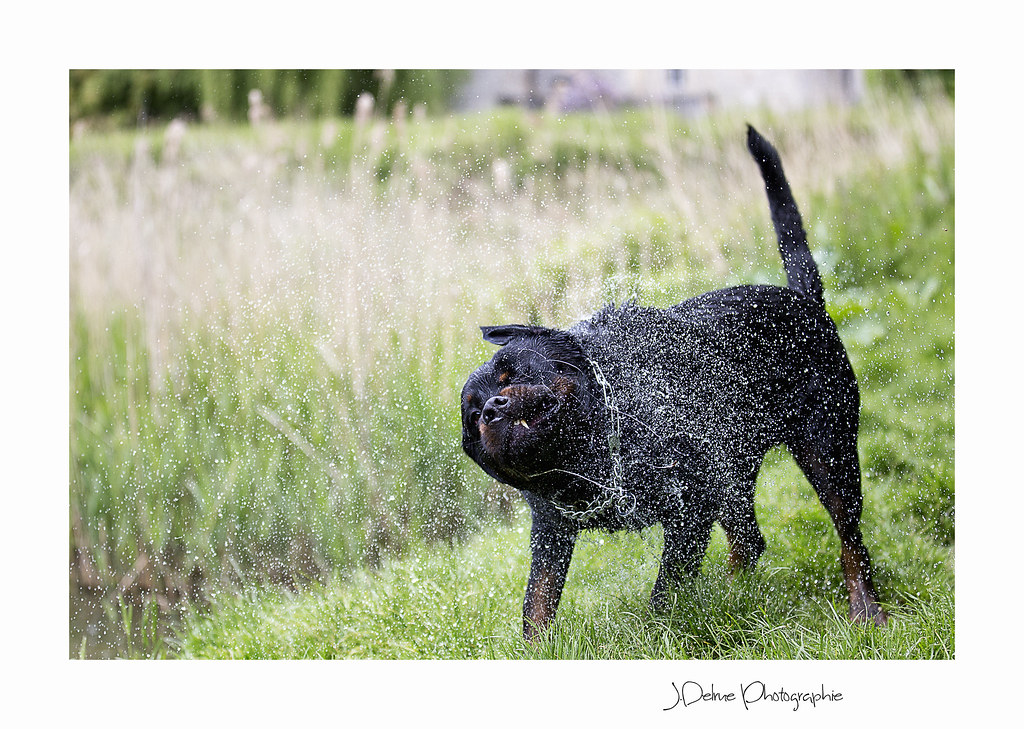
642,415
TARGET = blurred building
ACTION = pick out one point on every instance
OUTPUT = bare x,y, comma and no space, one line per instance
693,91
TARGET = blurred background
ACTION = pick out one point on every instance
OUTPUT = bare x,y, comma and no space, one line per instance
276,279
117,98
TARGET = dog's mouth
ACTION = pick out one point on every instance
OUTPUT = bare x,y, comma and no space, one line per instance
532,424
514,419
522,406
522,429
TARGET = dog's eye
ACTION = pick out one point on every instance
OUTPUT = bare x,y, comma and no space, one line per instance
562,368
474,418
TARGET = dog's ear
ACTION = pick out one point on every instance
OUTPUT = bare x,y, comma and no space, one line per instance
502,335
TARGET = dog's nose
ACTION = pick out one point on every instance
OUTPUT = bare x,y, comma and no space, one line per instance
493,409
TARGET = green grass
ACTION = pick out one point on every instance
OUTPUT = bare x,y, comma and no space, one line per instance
465,603
269,330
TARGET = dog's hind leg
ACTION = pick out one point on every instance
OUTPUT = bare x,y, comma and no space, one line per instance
834,472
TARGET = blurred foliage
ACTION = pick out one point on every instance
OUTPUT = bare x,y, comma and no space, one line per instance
118,97
125,98
919,80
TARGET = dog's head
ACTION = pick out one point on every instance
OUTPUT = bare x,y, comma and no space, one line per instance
525,411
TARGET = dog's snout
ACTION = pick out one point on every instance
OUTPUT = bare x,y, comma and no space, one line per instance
493,409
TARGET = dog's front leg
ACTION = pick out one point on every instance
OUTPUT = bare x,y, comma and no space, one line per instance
686,540
551,546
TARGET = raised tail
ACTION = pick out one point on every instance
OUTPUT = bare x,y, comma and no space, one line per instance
801,271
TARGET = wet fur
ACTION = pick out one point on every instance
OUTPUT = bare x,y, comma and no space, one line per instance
640,415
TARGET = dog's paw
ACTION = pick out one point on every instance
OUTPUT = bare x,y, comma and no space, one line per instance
869,612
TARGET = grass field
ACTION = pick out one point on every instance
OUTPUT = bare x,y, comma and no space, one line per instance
270,326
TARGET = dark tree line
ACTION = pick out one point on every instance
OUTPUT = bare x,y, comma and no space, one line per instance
131,97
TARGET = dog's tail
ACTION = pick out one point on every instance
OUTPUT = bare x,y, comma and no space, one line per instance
801,272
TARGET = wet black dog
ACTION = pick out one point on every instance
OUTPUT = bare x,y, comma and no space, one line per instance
640,415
